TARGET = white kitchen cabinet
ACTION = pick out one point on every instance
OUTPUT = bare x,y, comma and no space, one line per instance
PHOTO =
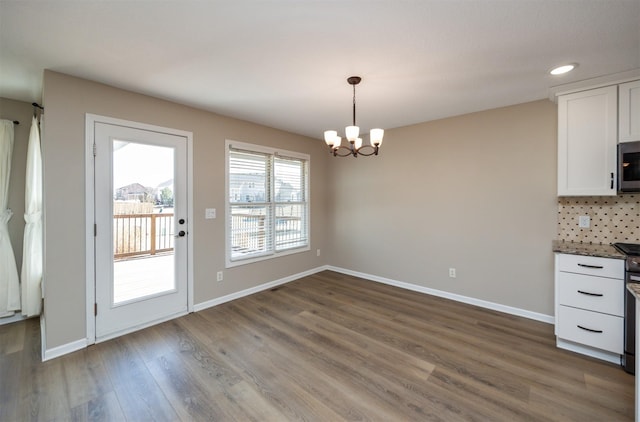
590,305
629,112
587,139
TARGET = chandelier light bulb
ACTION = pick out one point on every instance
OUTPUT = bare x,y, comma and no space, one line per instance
358,143
330,136
376,136
352,133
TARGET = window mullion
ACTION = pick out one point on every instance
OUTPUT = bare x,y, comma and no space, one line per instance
271,206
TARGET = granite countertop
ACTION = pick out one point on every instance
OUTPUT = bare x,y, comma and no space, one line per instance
587,249
634,288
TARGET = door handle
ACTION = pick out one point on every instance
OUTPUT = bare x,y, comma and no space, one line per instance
181,233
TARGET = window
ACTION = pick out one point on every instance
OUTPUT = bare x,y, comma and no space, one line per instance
267,203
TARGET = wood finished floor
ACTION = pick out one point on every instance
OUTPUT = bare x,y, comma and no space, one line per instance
328,347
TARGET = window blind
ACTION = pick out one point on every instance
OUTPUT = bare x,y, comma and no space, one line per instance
268,203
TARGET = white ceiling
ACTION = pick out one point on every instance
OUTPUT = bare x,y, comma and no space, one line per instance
284,63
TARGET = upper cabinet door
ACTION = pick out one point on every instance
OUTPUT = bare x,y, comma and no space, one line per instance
629,111
587,139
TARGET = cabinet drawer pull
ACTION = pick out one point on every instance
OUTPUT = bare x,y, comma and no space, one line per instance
597,267
588,329
590,294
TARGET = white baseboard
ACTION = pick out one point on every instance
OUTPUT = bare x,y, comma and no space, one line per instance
237,295
55,352
453,296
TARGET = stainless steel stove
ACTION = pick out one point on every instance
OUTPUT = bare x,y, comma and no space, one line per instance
632,275
629,249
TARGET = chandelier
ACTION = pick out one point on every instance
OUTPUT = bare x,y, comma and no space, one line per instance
352,133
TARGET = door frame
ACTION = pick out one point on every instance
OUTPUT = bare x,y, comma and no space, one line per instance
90,258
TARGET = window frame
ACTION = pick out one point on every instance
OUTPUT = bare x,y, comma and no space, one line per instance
272,252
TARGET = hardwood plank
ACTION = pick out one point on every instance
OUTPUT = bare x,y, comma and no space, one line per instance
385,387
11,338
104,408
434,348
424,403
10,386
255,407
190,399
294,362
138,394
325,347
44,399
270,375
151,343
85,376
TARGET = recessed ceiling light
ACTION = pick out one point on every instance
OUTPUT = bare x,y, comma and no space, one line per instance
560,70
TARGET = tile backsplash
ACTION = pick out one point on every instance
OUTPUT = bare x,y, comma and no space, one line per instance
613,218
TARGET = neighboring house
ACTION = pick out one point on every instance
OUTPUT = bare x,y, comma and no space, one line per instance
133,192
249,189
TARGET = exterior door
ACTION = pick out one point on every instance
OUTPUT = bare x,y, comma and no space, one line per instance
141,228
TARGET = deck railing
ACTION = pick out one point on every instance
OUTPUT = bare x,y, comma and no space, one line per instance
142,234
249,232
137,235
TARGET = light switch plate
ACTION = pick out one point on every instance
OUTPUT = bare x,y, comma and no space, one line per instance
209,213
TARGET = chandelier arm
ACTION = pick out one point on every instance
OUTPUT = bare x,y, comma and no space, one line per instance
342,151
374,150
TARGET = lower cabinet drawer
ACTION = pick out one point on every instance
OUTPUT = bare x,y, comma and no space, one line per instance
598,294
590,265
591,328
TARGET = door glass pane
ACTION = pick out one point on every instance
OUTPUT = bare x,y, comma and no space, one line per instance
143,221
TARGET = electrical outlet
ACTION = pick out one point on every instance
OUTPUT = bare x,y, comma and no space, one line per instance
209,213
219,276
584,221
317,252
452,272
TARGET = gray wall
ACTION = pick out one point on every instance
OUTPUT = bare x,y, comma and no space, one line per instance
474,192
66,100
21,111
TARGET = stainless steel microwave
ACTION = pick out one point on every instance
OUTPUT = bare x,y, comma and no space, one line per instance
629,167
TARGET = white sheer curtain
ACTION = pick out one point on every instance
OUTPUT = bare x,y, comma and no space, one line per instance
32,246
9,282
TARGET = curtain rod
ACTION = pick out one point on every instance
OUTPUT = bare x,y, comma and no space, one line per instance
37,105
16,122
